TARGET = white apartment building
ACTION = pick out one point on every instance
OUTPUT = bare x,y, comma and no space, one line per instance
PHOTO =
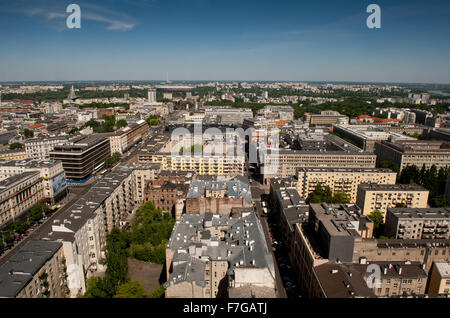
39,148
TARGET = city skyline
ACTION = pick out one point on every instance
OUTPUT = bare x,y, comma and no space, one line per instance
203,40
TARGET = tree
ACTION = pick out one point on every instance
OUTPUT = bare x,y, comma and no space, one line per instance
131,290
96,288
341,197
157,293
15,145
321,194
377,218
28,133
121,123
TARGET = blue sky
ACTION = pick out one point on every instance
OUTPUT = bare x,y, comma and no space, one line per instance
226,40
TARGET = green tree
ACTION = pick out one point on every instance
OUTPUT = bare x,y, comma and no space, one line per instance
377,218
15,146
157,293
121,123
131,290
96,288
28,133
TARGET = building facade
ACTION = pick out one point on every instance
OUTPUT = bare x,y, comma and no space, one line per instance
408,223
341,179
82,156
380,197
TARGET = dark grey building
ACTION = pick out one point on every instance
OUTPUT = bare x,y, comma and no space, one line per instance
82,156
336,227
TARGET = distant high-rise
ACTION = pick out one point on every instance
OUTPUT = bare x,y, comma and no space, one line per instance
72,94
152,96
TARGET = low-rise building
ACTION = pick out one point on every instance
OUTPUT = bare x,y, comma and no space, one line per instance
211,256
439,279
17,154
337,226
218,196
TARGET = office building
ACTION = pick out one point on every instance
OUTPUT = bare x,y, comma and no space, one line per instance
82,156
371,197
418,153
336,227
365,136
326,118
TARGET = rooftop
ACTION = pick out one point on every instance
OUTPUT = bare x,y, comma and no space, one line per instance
391,187
17,272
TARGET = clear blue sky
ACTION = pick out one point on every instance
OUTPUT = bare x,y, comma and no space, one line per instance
226,40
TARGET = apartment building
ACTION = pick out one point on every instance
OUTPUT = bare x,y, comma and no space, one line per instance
39,148
217,196
167,191
341,179
211,256
289,208
37,270
82,156
424,251
52,175
371,197
365,136
215,165
395,280
409,223
18,194
18,154
419,153
284,163
83,227
126,137
439,279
